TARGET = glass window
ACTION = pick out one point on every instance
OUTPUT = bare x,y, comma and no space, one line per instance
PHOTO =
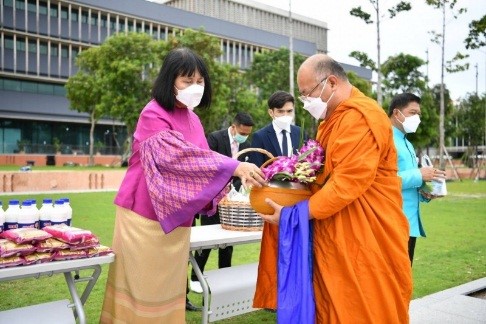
54,50
64,51
54,11
45,88
64,12
43,48
139,28
130,26
21,44
112,23
94,19
84,17
74,14
59,90
28,86
42,8
104,21
13,85
74,53
8,3
121,26
20,5
9,43
32,46
31,6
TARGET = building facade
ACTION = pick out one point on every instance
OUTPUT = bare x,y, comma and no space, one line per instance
40,40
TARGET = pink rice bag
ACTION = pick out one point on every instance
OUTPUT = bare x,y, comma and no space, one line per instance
11,261
68,255
68,234
89,243
37,257
99,250
26,235
50,245
9,248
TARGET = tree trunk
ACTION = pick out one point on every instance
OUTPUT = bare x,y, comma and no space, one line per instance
91,138
442,104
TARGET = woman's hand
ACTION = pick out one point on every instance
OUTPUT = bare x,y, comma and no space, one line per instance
249,174
275,217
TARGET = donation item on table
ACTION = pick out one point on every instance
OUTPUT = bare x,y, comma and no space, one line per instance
235,212
437,188
30,236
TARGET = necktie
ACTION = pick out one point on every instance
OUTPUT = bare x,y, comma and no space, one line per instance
234,149
285,150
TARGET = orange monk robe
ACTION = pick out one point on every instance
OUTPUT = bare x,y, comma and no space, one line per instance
266,287
362,273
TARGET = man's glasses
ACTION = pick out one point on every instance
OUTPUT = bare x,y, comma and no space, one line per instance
305,98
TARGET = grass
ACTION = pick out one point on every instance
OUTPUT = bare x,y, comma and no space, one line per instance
452,254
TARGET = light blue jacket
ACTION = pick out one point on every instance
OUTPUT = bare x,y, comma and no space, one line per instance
409,172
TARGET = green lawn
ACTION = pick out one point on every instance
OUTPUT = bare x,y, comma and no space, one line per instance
452,253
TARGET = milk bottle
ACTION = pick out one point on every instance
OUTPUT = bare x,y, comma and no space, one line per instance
12,215
45,213
37,212
69,211
27,215
2,217
58,215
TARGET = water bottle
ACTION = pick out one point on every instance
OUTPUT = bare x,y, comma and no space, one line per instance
37,212
12,215
45,213
58,215
2,217
69,211
27,215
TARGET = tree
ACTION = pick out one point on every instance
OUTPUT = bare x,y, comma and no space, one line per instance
440,39
477,34
363,85
392,12
426,134
402,74
84,91
471,121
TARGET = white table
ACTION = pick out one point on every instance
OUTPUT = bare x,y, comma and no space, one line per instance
70,269
215,237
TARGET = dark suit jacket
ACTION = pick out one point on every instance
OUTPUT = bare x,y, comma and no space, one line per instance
266,138
219,141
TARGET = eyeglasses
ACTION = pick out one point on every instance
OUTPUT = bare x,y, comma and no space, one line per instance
305,98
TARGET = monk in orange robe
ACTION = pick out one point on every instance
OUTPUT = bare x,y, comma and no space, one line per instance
361,270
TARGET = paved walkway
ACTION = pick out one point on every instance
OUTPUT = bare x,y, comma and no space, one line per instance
453,306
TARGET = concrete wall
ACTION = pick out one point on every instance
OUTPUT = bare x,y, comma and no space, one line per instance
60,159
32,181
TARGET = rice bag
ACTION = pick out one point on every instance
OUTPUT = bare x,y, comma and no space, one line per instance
50,245
9,248
68,255
89,243
37,257
68,234
11,261
99,250
26,235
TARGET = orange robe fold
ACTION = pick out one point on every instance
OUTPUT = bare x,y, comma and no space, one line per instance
362,273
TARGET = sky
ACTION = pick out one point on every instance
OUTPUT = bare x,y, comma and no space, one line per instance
407,33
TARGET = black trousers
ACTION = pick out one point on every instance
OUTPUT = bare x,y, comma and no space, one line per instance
224,255
411,247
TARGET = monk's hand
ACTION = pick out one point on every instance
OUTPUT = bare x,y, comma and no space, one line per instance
275,217
250,175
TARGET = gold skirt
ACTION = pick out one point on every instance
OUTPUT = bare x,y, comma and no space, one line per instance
147,282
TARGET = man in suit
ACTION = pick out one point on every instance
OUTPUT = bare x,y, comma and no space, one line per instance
229,142
280,137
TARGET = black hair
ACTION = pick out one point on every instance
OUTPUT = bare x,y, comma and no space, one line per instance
242,118
278,99
401,101
179,62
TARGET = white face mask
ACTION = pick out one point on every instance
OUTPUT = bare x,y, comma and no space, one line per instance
283,121
316,107
411,123
190,96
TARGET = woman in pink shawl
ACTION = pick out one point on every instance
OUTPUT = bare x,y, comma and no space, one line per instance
172,175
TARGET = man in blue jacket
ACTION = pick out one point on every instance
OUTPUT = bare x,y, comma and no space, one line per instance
404,113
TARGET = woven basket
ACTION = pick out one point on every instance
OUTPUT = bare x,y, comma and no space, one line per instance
237,215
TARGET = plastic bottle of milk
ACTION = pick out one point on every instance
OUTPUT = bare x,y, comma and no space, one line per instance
37,212
45,213
2,217
12,215
27,215
69,211
58,215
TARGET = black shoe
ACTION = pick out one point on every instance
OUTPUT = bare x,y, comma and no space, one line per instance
191,307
